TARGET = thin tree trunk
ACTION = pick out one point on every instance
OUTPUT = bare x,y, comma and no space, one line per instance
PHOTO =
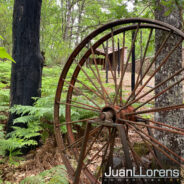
68,20
71,29
81,9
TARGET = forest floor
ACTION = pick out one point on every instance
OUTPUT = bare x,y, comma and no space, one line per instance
47,156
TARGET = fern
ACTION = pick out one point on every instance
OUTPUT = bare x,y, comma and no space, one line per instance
24,119
11,144
3,117
39,117
55,175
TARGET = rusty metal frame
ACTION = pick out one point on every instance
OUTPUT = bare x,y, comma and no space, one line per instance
144,23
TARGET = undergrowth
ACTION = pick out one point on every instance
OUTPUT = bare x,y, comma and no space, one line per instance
39,117
55,175
5,69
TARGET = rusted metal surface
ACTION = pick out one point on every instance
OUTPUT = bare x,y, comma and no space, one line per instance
140,70
124,141
148,68
158,85
113,112
133,63
126,65
82,154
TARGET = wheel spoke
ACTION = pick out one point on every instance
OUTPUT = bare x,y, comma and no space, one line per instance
113,59
96,154
96,137
77,106
99,77
157,86
162,124
147,70
90,79
87,87
102,163
82,154
141,133
92,107
123,138
140,70
126,65
92,132
112,134
159,94
151,151
122,65
108,60
155,127
102,91
78,121
167,108
159,67
156,142
78,90
136,156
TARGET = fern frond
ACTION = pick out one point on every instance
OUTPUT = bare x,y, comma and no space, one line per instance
24,119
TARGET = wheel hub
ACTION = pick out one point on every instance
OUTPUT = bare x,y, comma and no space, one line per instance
115,114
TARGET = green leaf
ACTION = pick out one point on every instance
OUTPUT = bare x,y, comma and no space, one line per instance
5,55
1,37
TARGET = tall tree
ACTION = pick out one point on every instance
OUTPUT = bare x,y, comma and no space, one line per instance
26,72
174,63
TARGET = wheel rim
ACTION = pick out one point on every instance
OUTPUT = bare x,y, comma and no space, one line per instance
120,109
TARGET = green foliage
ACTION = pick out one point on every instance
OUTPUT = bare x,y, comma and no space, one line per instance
118,9
5,55
141,149
63,27
55,175
6,12
5,71
55,48
5,68
171,4
39,118
4,182
11,145
1,138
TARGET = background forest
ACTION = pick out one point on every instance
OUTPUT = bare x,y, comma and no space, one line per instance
64,23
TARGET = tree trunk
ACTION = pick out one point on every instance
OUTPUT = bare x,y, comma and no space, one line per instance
81,6
26,72
68,20
173,96
71,29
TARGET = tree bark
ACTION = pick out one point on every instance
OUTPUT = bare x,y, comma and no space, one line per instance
26,72
174,95
81,6
68,20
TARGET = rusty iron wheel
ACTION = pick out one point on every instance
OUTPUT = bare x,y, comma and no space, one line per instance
114,116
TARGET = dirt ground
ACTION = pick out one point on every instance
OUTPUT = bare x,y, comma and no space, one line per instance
48,156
